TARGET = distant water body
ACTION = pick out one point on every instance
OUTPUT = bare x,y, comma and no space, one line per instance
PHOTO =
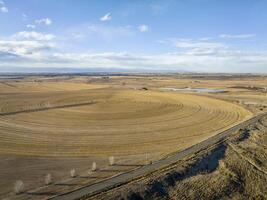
9,77
199,90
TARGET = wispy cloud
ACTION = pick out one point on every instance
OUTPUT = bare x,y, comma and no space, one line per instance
45,21
100,31
143,28
205,39
3,8
241,36
190,46
108,32
106,17
32,35
197,44
30,26
159,7
24,17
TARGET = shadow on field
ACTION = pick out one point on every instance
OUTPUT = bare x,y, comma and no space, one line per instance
128,165
68,184
112,170
92,177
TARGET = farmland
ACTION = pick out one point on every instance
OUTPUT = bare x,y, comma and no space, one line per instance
54,124
235,169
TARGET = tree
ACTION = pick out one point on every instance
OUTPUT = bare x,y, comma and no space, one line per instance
111,160
94,168
18,187
48,179
72,173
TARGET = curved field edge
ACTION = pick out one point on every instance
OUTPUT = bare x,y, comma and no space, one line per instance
118,122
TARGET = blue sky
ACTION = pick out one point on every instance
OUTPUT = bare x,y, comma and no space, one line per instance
176,35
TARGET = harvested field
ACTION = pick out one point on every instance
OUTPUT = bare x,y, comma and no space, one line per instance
235,169
52,126
109,122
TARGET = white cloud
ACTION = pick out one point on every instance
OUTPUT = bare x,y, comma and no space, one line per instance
241,36
45,21
3,8
227,61
23,48
24,17
106,17
143,28
30,26
35,49
30,45
32,35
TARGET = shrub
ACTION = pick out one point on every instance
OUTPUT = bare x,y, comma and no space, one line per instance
111,160
72,173
94,166
18,187
48,179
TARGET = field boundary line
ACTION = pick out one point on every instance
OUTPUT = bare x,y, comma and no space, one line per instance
46,108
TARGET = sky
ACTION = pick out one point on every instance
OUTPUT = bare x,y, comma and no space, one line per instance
160,35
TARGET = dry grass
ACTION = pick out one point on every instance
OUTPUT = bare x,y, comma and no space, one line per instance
135,122
234,170
114,120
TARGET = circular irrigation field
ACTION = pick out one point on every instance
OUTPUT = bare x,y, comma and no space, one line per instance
106,121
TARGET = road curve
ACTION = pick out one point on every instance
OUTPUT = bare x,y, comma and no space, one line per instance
144,170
